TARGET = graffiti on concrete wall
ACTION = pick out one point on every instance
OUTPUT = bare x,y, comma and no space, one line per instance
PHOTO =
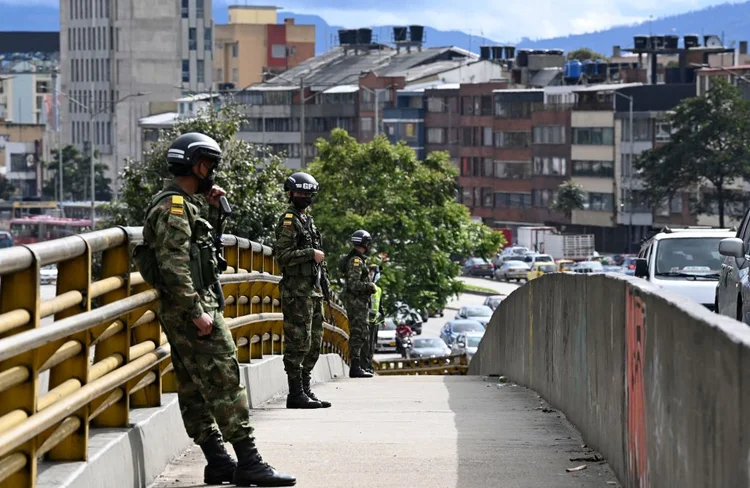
634,388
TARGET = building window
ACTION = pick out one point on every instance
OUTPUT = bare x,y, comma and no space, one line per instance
186,70
200,73
436,135
512,110
220,75
593,136
626,160
488,199
542,198
599,169
235,75
512,139
641,130
512,200
199,9
185,8
634,201
207,42
487,138
410,131
366,124
235,49
550,166
467,197
278,51
42,87
192,41
600,202
549,134
663,131
515,170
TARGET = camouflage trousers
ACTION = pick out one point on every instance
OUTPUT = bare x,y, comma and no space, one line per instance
369,348
208,379
303,333
357,311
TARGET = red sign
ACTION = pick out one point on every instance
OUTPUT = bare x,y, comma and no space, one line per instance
634,390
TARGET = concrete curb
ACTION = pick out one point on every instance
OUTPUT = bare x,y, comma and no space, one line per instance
137,455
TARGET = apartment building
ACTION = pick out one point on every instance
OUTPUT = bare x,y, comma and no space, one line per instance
404,122
117,57
252,43
21,151
443,119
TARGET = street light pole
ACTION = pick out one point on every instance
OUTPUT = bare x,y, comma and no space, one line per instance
302,100
56,92
630,178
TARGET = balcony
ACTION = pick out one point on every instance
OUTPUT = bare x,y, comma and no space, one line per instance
589,105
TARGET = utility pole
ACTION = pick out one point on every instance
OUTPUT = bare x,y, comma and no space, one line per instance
630,180
56,115
301,121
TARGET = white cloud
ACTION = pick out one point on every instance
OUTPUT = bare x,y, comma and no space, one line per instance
497,19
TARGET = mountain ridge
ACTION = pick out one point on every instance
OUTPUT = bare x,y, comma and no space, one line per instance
730,20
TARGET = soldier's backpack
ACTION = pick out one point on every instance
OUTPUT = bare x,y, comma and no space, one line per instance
144,255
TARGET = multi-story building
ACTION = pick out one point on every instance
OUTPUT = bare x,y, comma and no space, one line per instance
21,150
252,43
117,57
443,119
27,75
404,122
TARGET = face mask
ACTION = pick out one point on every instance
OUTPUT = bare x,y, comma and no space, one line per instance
205,184
301,203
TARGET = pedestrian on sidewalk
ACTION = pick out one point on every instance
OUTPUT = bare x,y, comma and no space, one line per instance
180,259
356,297
304,276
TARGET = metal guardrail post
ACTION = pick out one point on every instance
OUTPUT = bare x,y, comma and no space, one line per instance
73,275
20,290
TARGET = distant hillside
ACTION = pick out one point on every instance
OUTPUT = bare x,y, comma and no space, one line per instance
730,20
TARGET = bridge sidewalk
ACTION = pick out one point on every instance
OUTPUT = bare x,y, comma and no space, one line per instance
412,432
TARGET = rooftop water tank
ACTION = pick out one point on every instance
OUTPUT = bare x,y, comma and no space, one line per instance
416,33
691,41
640,42
523,57
400,33
510,52
589,67
573,70
484,52
601,67
364,36
657,42
671,41
498,53
555,52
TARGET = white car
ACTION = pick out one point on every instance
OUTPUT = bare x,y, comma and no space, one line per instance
467,343
48,275
386,336
684,261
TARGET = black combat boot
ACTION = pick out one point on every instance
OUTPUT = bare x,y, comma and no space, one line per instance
252,471
221,466
356,371
308,391
297,397
367,366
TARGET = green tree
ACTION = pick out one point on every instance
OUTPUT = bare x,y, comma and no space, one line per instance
570,196
252,178
584,53
708,151
409,207
76,177
7,189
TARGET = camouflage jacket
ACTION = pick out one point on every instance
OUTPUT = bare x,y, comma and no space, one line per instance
185,253
357,284
297,238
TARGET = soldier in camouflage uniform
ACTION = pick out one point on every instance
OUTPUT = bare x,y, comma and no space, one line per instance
304,277
356,297
203,352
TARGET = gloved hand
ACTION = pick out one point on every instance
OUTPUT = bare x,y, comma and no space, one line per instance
373,288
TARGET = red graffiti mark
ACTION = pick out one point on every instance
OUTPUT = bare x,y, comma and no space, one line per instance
635,340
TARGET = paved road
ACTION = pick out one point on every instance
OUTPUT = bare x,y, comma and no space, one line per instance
426,431
500,286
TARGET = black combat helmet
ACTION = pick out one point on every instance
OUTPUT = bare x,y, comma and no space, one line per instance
301,182
187,149
361,238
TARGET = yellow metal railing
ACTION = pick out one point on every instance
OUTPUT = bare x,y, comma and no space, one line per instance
456,364
99,343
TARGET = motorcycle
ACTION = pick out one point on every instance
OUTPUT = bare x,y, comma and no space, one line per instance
406,346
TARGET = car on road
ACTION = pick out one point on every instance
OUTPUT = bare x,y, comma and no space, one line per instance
733,289
480,313
588,267
539,269
534,257
512,270
48,275
494,301
428,347
628,265
452,329
467,343
688,262
478,267
386,336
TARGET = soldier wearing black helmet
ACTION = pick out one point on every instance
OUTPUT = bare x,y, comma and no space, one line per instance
179,258
356,294
304,277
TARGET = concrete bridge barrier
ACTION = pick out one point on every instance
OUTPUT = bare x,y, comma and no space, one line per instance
658,384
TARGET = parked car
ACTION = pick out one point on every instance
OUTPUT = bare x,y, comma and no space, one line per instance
733,288
386,336
540,268
478,267
452,329
480,313
512,270
467,343
494,301
428,347
6,240
48,275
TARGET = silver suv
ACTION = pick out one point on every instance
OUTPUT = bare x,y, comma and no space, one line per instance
733,290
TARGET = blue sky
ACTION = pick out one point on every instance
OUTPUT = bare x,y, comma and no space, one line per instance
501,20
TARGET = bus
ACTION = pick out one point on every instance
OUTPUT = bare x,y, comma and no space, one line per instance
82,210
28,230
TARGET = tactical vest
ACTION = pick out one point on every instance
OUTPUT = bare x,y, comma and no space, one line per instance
307,238
344,266
375,304
204,266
